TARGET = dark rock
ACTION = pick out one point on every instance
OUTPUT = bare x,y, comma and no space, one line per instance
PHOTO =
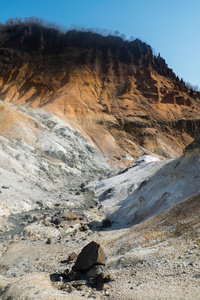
95,271
106,223
5,187
74,275
96,277
108,278
91,255
82,187
64,261
49,241
56,221
195,145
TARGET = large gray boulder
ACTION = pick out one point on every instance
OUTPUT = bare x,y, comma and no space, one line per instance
90,256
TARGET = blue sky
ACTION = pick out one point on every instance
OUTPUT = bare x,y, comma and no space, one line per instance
170,27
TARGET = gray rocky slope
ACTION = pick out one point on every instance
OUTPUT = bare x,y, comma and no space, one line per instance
42,162
175,181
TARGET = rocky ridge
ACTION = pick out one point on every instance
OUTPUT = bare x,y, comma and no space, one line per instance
106,88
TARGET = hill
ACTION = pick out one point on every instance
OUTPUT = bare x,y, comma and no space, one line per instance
118,94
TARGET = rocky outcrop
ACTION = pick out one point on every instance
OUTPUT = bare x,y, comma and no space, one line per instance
195,145
172,183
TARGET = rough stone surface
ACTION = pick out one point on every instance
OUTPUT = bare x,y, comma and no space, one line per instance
91,255
140,110
96,270
195,145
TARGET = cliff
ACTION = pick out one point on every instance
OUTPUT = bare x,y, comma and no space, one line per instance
117,93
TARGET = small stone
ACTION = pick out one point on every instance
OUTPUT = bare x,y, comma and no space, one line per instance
84,227
72,257
79,283
107,293
70,288
56,221
106,223
49,241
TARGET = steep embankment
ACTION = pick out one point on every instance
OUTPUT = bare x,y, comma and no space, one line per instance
42,161
117,94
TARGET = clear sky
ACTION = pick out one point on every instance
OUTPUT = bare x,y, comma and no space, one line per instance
171,27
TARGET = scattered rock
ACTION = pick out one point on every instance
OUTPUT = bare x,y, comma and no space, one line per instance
84,227
79,283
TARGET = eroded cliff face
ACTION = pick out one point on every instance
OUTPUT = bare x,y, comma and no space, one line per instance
117,94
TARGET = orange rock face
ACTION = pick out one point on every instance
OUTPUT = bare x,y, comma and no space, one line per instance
117,94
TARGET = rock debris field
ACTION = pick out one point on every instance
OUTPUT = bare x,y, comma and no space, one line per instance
73,228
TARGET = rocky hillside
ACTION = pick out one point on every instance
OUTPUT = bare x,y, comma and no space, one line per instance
73,106
150,187
118,94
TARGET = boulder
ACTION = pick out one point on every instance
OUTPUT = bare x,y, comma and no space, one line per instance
106,223
95,271
90,256
96,276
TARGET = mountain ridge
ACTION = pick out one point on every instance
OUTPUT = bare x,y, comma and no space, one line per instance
120,96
